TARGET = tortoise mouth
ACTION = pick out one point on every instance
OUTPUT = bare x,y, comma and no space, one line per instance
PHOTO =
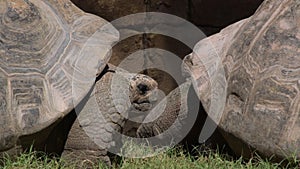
142,105
141,101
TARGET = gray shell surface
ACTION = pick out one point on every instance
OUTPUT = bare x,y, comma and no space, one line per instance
50,52
261,61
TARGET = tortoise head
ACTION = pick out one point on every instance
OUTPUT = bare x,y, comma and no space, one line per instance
143,92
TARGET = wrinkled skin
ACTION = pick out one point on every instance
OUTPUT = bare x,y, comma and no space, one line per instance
89,142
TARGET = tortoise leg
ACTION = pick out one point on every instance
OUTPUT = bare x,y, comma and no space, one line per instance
89,137
81,150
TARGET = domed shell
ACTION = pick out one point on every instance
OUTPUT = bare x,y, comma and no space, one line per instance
261,61
50,52
263,98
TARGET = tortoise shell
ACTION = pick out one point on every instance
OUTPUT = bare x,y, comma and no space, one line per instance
261,62
50,52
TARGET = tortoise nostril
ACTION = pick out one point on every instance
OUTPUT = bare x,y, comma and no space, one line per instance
142,88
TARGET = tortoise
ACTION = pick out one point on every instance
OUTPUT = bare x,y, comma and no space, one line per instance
50,53
256,61
116,96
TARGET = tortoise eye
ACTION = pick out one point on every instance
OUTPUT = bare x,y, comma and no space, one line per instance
142,88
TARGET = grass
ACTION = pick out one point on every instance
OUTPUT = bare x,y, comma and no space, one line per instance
172,159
